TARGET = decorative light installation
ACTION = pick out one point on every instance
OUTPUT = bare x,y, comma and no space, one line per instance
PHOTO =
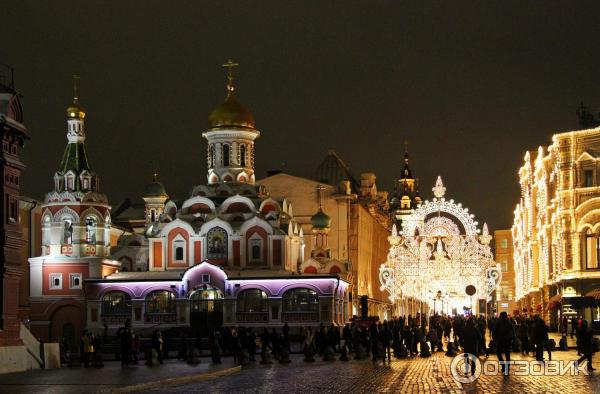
439,251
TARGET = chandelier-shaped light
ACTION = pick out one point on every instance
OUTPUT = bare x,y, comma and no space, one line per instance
439,251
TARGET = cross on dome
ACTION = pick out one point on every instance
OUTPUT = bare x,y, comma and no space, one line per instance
229,65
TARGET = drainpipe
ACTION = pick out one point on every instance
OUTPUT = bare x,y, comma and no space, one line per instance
336,289
34,204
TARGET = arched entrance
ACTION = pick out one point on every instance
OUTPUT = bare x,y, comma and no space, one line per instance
206,309
67,322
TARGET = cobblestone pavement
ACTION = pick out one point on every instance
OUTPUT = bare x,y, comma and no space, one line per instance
418,375
92,380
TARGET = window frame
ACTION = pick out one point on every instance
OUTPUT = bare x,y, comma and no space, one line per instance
590,235
179,243
171,305
256,240
104,311
226,155
73,276
293,297
588,172
51,277
241,301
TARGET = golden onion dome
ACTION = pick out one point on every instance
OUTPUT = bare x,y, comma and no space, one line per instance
75,111
231,113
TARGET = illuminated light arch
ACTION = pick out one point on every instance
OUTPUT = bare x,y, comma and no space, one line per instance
439,250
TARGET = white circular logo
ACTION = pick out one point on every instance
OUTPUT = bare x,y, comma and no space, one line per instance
465,368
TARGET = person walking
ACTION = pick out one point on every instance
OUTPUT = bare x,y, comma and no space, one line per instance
503,336
447,329
386,338
87,347
157,345
124,334
374,338
235,345
540,337
408,339
471,339
573,326
585,339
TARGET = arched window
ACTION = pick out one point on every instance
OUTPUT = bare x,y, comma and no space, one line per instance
206,300
217,243
90,229
160,302
116,303
225,155
252,301
592,249
67,232
211,156
243,155
300,300
179,253
255,248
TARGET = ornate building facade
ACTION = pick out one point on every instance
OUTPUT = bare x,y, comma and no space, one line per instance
76,224
345,226
229,254
556,228
13,351
503,253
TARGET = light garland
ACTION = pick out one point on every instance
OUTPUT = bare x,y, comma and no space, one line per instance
439,249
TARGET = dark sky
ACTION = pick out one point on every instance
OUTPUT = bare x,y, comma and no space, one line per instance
470,85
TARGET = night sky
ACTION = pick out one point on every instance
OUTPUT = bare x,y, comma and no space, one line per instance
470,85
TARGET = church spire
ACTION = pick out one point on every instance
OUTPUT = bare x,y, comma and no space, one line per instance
74,172
406,172
75,116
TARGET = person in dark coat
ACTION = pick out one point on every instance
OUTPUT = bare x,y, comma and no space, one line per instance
503,336
471,340
374,338
157,345
386,337
251,344
183,349
540,337
447,329
585,339
124,334
407,338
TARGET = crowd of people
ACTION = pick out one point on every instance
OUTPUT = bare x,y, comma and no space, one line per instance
404,337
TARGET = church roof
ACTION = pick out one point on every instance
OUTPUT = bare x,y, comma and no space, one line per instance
74,159
333,170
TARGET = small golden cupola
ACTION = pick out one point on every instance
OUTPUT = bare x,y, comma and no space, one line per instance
230,138
75,110
231,113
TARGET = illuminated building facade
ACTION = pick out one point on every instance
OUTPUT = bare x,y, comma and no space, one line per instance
354,239
75,232
556,228
229,254
503,254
